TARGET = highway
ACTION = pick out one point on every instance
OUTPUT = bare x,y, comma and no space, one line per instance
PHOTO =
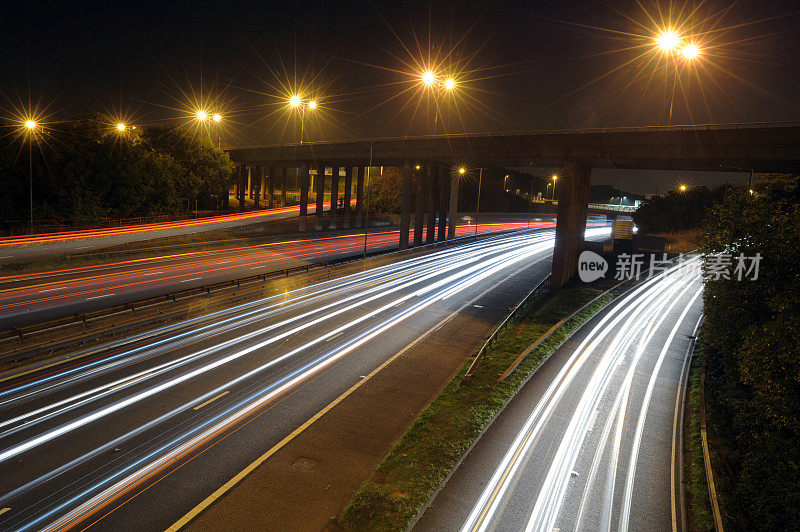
37,246
591,440
30,297
135,434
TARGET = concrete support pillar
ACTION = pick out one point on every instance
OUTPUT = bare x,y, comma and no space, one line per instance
360,197
257,176
405,205
432,175
573,205
419,208
242,185
453,210
271,187
334,198
348,195
284,170
444,201
303,194
249,183
320,182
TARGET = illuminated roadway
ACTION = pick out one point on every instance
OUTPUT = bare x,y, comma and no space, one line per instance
137,433
31,297
36,246
589,442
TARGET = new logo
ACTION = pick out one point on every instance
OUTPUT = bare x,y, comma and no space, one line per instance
591,266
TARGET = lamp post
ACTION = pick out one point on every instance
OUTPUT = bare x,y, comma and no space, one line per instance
530,204
478,202
553,197
30,126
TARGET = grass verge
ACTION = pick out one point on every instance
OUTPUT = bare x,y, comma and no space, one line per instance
697,498
420,461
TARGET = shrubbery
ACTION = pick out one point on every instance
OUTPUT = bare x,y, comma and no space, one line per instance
676,211
751,337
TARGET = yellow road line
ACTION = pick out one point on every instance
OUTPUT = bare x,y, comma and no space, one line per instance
201,405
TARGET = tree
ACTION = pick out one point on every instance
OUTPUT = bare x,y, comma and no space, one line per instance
752,356
676,211
210,171
386,191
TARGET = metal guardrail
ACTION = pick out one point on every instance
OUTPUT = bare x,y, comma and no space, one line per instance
712,489
488,344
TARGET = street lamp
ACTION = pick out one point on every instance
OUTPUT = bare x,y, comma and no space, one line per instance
217,117
201,115
690,52
428,78
668,41
121,127
462,170
30,126
449,84
312,105
553,197
683,188
295,101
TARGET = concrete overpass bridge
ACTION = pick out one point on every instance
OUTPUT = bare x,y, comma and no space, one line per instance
429,164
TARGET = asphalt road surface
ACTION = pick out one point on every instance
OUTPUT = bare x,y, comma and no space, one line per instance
135,434
589,442
31,297
30,247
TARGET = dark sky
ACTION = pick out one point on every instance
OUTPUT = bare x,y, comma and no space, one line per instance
519,65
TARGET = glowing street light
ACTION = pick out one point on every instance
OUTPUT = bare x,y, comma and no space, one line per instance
555,178
295,101
428,78
217,117
121,127
312,105
683,188
30,126
462,170
690,52
201,115
668,41
449,84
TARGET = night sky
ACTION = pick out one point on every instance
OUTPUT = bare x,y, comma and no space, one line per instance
518,66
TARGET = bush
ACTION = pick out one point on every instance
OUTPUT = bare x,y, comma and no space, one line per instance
677,211
752,356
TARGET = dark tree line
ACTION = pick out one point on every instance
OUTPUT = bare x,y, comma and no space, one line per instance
85,168
751,337
676,210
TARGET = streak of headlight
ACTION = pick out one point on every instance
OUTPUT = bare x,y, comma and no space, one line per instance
117,385
99,414
322,291
491,498
552,493
335,355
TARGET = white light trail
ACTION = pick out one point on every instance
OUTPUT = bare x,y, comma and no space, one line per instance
643,301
